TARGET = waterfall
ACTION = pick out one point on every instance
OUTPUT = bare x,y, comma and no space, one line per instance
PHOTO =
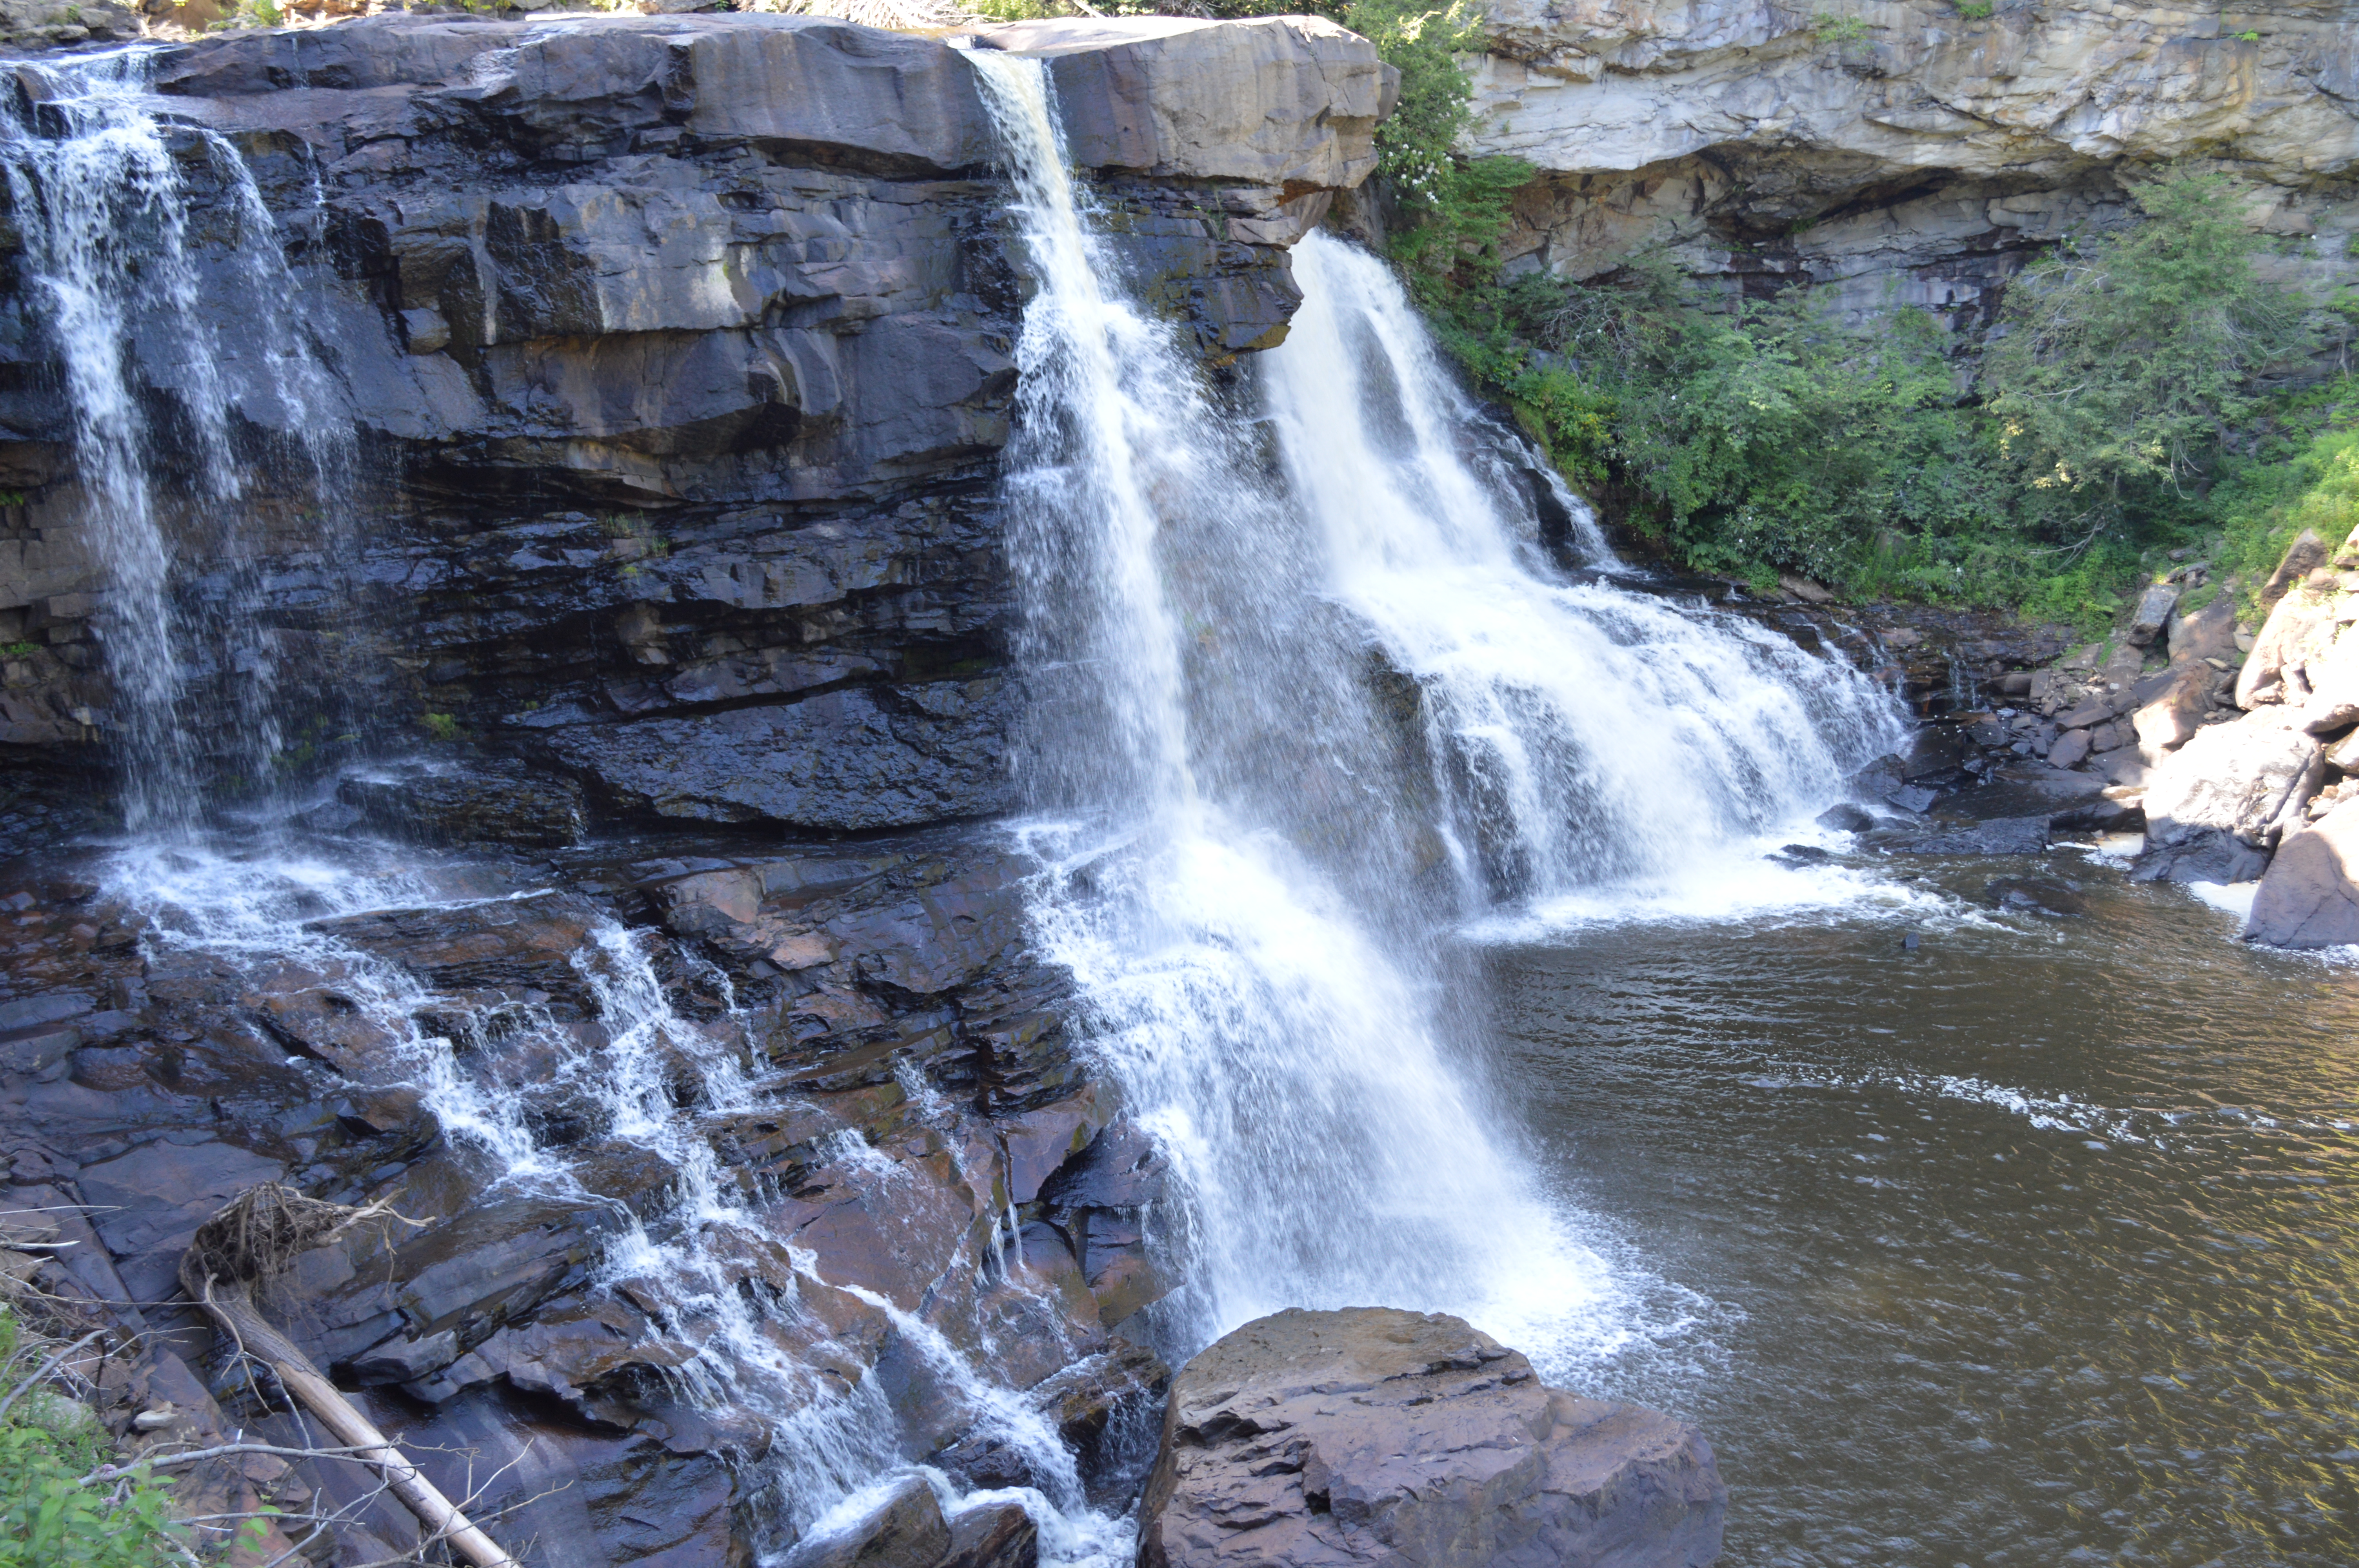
1223,811
1307,693
1286,734
1583,735
114,203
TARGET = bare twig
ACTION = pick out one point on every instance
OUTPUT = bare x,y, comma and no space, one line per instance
48,1366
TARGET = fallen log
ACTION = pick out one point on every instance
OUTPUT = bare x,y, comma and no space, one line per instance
244,1245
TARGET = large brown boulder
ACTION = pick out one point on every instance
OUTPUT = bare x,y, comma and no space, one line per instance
2215,807
1321,1438
2310,896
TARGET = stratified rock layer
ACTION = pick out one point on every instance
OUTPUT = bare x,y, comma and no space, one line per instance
1378,1436
1911,152
679,350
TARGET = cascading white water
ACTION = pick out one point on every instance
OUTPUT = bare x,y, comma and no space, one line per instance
101,189
1584,735
1278,1033
1241,839
829,1430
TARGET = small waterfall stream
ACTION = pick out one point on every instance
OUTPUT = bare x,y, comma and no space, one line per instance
1584,735
114,200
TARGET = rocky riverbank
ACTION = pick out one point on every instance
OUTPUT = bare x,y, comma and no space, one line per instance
2216,723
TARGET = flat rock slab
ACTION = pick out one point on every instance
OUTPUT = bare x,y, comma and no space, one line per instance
1373,1435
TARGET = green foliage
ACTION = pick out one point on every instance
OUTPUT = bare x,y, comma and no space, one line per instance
1013,10
1832,27
250,13
2125,361
1455,207
441,726
2305,475
20,650
1751,438
49,1518
1976,10
2249,37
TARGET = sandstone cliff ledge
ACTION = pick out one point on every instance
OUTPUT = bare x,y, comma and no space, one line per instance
1911,152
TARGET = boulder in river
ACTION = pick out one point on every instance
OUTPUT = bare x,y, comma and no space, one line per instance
2310,898
1375,1435
2215,807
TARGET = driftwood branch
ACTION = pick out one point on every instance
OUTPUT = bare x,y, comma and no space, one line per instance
243,1244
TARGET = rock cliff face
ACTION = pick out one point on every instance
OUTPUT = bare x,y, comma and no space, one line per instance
676,358
1907,153
678,352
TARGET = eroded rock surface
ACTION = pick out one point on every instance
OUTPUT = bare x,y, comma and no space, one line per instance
1373,1435
652,674
2310,897
1914,152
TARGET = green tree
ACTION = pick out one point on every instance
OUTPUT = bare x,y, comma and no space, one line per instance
2121,363
1454,207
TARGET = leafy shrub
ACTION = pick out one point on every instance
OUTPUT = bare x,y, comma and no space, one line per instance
1454,207
1748,439
48,1517
2305,476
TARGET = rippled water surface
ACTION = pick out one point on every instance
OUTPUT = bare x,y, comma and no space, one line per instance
2034,1245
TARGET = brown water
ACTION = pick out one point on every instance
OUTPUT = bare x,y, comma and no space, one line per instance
2036,1245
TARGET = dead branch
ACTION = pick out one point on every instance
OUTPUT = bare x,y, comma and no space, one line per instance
246,1244
48,1366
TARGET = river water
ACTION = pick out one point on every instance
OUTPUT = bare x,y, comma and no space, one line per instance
2031,1245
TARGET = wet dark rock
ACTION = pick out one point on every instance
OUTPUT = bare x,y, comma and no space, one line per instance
1000,1535
1846,818
903,1529
482,804
511,945
1106,1407
2201,855
2103,814
1886,780
1802,855
2000,836
2037,895
848,760
150,1200
1371,1435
